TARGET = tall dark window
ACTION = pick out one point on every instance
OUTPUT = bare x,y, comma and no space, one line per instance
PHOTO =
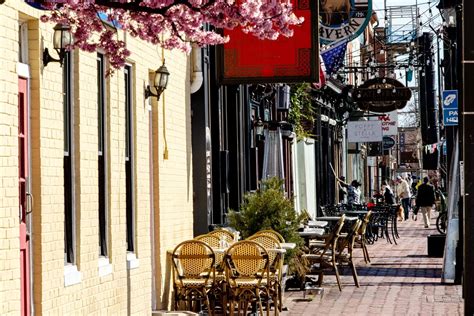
102,155
129,159
69,212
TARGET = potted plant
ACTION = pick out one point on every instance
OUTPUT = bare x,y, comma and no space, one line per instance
268,208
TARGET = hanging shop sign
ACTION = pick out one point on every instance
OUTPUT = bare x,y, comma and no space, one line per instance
381,95
388,142
343,19
247,59
364,131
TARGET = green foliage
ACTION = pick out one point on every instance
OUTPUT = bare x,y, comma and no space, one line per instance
268,208
302,113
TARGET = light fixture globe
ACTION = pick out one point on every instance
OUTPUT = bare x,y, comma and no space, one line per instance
62,39
62,36
160,82
161,78
259,127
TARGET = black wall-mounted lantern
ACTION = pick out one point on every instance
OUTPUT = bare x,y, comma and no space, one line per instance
259,127
62,38
160,82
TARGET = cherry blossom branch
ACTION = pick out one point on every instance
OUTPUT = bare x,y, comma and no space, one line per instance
181,21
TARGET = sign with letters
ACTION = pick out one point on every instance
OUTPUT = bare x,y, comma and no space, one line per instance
388,142
343,19
364,131
389,123
450,107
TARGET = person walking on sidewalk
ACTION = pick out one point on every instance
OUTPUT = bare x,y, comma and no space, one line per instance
404,194
387,193
425,199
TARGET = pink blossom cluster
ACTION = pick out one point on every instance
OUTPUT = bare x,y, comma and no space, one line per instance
172,24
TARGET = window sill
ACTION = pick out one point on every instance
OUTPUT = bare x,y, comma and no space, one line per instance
132,261
105,268
71,275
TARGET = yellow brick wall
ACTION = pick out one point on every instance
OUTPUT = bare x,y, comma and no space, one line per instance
9,229
123,291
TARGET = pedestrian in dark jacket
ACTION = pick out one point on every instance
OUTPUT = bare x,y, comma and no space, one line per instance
388,196
425,199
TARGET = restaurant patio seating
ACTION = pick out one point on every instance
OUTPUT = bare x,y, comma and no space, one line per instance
272,233
193,275
223,234
345,247
322,256
383,223
247,271
275,265
361,240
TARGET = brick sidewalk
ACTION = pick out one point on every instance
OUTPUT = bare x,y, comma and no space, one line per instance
400,280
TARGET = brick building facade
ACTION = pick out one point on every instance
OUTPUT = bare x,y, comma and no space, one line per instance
84,265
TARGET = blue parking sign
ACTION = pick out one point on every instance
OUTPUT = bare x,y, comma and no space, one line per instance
450,107
450,99
450,117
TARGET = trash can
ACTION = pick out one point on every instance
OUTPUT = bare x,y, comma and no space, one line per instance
436,245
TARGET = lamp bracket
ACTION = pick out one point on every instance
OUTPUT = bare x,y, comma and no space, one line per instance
149,93
47,58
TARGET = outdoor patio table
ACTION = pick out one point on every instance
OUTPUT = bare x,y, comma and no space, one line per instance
359,214
317,223
312,233
287,245
336,218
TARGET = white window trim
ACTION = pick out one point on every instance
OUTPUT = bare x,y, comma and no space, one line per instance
105,268
71,275
132,261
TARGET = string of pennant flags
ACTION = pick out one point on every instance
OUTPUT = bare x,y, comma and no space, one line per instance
431,148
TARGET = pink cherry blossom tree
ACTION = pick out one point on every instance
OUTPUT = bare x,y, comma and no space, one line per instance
172,24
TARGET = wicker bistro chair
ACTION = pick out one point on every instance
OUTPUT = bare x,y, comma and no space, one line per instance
218,292
213,241
222,233
361,240
247,271
322,254
345,247
272,233
193,275
275,255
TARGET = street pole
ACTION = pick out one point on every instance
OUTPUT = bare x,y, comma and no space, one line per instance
467,113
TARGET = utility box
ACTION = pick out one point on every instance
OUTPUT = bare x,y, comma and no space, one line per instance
436,245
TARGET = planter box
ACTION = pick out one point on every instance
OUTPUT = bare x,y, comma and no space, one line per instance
436,245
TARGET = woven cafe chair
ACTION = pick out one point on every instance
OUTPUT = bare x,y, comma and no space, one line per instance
193,274
275,256
345,247
218,292
222,233
247,270
272,233
361,240
322,254
214,242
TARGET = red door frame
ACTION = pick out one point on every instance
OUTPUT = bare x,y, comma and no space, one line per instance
23,173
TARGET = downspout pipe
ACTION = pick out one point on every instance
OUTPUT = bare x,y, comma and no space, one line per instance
196,66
